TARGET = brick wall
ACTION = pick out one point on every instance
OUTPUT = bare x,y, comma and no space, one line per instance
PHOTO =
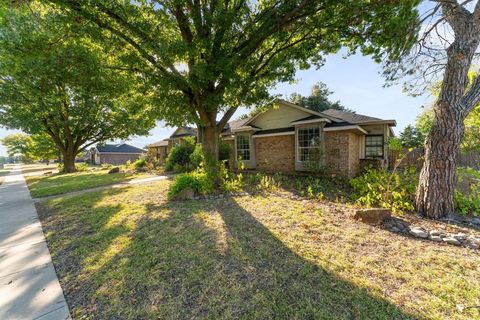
342,153
119,158
275,153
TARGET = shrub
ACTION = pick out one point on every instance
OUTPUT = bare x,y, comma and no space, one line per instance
198,181
140,163
78,167
224,151
197,158
179,156
388,189
107,166
467,194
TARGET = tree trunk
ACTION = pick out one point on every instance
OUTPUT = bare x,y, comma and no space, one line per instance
435,191
210,145
69,161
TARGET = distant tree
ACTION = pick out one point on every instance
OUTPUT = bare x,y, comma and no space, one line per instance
410,137
207,58
18,144
42,147
318,100
58,82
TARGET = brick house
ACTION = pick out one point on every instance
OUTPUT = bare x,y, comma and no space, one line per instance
290,138
115,153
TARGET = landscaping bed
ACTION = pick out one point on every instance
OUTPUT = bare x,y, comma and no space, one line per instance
130,253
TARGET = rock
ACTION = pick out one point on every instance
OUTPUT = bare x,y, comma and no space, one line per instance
114,170
436,238
435,233
418,232
48,173
452,240
472,245
395,229
372,216
185,194
476,221
459,236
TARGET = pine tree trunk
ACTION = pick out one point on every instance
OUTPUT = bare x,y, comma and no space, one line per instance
435,191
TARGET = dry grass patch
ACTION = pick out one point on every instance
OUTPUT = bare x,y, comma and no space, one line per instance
131,254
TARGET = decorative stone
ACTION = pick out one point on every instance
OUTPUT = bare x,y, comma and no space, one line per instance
435,233
418,232
476,221
436,238
185,194
472,245
451,240
114,170
459,236
395,229
372,216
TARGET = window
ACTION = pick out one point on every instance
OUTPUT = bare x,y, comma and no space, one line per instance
308,144
374,146
243,147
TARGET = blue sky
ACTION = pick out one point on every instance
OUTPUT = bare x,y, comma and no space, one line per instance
356,81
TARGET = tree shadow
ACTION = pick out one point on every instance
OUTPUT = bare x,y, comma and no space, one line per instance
208,259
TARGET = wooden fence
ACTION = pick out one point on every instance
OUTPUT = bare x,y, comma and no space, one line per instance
415,158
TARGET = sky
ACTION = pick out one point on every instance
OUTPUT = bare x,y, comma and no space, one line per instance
356,82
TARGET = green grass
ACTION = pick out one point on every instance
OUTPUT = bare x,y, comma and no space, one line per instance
42,186
3,173
129,253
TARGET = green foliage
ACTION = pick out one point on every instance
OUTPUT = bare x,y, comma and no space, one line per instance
140,163
56,81
411,137
197,180
467,194
235,51
17,144
197,157
379,187
224,151
80,167
318,99
178,159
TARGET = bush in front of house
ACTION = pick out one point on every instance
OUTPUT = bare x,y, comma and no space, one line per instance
178,159
198,181
394,190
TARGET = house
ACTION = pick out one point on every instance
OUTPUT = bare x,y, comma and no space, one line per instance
288,138
159,149
115,153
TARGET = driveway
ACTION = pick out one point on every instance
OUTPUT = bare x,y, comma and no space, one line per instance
29,287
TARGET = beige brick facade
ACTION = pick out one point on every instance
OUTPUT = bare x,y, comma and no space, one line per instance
275,153
342,153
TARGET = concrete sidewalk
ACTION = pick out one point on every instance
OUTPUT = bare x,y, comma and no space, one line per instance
29,287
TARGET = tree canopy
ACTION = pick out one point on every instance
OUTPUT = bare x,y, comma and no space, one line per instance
55,80
207,58
318,100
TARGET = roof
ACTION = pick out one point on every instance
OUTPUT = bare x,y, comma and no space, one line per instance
118,148
161,143
233,125
348,116
189,131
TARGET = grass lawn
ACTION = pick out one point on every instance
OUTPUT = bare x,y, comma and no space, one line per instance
3,173
42,186
130,253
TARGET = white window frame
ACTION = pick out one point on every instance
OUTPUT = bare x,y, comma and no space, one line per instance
299,148
249,149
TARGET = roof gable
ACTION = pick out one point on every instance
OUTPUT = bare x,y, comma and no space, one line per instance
281,116
351,117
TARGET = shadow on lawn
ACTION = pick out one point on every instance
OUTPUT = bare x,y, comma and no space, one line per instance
197,259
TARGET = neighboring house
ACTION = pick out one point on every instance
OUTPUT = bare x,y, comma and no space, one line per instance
290,138
115,153
159,149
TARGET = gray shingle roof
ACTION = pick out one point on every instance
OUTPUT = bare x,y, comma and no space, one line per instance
118,148
351,117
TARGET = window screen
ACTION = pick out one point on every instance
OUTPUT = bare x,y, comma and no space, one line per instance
374,146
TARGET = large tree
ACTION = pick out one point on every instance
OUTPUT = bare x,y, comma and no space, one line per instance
207,58
445,55
58,82
318,100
